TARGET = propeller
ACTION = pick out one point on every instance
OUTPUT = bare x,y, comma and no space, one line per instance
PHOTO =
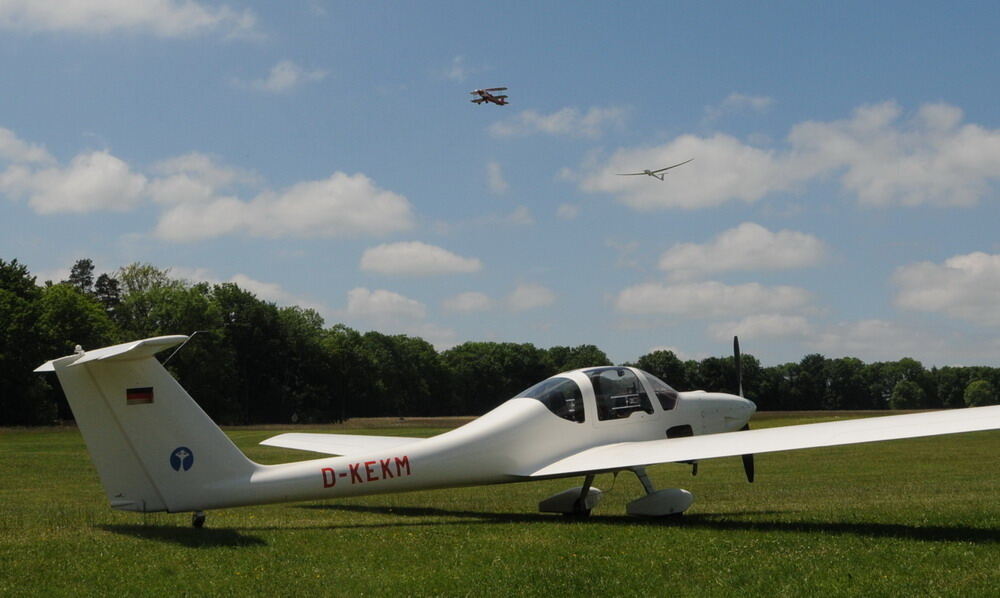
747,459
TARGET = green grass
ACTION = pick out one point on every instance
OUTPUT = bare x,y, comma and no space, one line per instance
906,518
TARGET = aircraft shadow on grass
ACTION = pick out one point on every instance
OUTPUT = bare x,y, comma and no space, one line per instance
188,537
714,521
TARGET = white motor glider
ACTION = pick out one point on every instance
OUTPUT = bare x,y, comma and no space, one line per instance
156,450
656,174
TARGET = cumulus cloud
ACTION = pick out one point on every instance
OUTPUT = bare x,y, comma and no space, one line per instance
339,206
567,211
285,76
196,178
93,181
738,102
382,306
710,299
17,151
964,287
494,175
749,246
458,70
763,326
569,122
416,259
931,158
881,340
468,302
162,18
530,296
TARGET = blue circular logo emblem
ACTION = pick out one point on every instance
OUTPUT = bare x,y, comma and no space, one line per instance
181,459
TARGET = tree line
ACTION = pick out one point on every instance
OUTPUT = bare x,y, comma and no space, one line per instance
254,362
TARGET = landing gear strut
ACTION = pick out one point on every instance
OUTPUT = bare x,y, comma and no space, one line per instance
198,519
575,502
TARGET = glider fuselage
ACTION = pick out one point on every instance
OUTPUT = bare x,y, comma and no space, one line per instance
507,444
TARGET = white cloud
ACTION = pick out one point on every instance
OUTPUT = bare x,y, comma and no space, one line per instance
494,175
738,102
710,299
381,306
567,211
14,150
92,182
764,326
195,177
416,259
929,159
285,76
567,121
749,246
530,296
879,340
162,18
206,169
340,206
966,287
468,302
521,216
458,70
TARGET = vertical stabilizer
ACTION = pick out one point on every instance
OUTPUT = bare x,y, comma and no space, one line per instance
154,448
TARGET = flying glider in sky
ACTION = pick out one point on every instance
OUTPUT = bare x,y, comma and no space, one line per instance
486,95
156,450
656,174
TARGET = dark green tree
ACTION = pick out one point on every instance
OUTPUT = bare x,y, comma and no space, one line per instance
980,393
564,359
25,397
667,367
81,276
907,394
487,374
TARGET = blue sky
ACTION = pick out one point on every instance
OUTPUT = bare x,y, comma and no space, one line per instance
843,197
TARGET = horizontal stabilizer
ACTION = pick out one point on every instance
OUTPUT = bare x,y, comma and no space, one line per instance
625,455
338,444
122,352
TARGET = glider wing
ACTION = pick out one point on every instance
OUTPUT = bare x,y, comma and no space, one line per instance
613,457
674,166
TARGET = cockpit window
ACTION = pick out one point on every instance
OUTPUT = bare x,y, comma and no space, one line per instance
664,393
618,392
561,395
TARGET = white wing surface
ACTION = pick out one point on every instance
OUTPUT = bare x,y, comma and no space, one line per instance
338,444
624,455
674,166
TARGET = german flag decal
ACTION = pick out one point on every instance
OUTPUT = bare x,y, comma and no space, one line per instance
139,396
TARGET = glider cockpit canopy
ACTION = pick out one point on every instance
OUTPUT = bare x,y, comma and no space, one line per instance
618,392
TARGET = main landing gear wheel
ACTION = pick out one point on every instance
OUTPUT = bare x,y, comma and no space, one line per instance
198,519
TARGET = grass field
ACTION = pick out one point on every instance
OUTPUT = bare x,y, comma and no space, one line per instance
904,518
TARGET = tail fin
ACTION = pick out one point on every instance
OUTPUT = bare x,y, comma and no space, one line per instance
153,446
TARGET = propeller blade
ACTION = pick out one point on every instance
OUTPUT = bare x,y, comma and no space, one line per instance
748,467
739,364
748,461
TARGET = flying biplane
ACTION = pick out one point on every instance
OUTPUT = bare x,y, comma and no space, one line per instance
156,450
486,95
656,174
